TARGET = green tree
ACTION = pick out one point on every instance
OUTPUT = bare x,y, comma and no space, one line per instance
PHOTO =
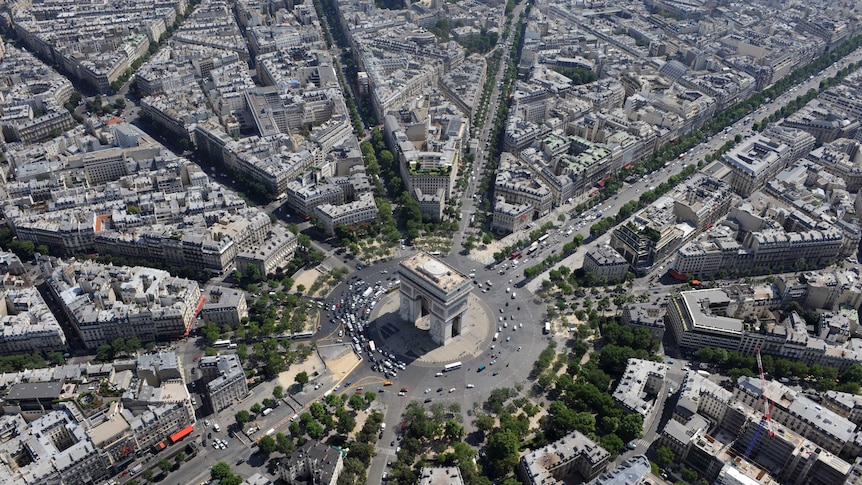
283,444
165,466
278,392
104,353
266,444
220,471
453,431
317,410
181,457
211,332
613,444
664,456
346,423
147,475
256,408
502,453
631,427
688,474
370,397
315,430
301,378
242,417
356,401
334,401
484,423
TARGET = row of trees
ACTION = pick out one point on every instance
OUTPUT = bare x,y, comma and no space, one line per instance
23,249
718,123
645,199
499,129
826,378
119,347
19,362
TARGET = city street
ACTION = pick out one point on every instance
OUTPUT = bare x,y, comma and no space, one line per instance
511,365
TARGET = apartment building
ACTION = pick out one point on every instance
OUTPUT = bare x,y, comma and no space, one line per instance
760,251
268,160
28,325
842,158
633,470
223,306
649,236
640,387
508,218
825,123
223,379
815,422
211,241
606,264
519,186
714,318
754,162
303,198
65,438
645,315
104,303
520,134
52,449
463,85
441,475
845,97
569,455
364,209
274,253
702,202
313,462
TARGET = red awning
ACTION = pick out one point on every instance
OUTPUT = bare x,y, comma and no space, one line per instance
629,167
677,275
601,183
181,433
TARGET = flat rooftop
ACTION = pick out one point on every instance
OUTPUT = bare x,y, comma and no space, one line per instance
699,304
34,390
435,272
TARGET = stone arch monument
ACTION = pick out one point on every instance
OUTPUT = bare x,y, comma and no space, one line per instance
435,292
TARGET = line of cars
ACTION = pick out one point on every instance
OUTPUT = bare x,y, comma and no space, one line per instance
354,306
352,310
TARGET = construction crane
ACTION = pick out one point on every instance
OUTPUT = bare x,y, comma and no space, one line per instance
767,404
767,408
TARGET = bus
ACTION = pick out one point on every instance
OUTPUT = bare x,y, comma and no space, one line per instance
452,366
533,247
221,343
543,238
371,347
